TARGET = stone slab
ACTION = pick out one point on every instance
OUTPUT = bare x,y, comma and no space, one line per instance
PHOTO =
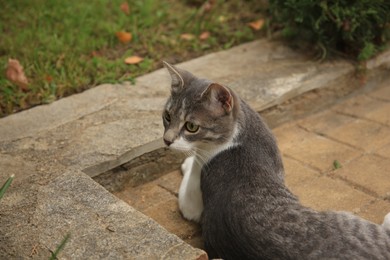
42,118
94,129
101,226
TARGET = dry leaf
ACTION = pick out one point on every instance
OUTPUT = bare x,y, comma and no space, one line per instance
133,60
48,78
187,36
124,37
16,74
208,6
204,36
257,25
125,8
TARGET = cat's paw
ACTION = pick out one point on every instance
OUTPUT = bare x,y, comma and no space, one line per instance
187,164
191,208
386,221
190,194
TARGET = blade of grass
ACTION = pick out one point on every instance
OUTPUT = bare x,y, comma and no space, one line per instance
6,185
60,247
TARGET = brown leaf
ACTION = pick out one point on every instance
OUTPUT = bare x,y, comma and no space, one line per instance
257,25
133,60
48,78
124,37
187,36
16,74
125,8
204,36
208,6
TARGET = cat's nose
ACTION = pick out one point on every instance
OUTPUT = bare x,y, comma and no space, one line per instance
168,143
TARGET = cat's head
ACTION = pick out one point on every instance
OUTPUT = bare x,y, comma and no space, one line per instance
199,115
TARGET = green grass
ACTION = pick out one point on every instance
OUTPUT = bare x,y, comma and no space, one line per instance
60,247
6,185
68,46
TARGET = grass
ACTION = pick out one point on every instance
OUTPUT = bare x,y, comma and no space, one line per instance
6,185
69,46
60,247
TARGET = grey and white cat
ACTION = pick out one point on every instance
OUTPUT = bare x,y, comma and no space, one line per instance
234,184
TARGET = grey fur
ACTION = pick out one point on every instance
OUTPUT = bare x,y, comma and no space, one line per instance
249,213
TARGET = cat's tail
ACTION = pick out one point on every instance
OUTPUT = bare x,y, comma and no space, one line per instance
386,221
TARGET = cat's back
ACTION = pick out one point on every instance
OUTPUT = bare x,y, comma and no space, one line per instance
250,214
245,221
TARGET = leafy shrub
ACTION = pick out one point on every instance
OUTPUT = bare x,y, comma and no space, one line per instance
357,28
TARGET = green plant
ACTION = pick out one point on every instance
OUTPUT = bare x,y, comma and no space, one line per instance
54,255
66,47
6,185
356,28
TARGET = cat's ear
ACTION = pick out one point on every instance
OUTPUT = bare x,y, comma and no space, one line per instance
177,78
219,97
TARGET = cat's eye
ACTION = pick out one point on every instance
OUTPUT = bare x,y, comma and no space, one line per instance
167,117
191,127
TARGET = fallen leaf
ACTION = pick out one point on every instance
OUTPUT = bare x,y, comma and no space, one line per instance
204,36
187,36
125,8
124,37
133,60
94,54
16,74
48,78
257,25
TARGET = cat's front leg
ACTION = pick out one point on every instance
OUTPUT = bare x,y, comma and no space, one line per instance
190,194
386,221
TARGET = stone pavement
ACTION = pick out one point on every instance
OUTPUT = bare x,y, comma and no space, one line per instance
354,132
55,149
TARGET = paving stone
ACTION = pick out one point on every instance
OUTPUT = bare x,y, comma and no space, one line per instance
366,107
312,149
370,172
157,200
296,173
365,135
375,211
145,196
360,133
168,215
171,181
325,122
384,151
382,93
325,193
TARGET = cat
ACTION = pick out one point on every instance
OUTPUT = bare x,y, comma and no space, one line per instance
234,186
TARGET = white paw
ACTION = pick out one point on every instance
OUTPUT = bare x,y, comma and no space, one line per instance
190,194
386,221
192,207
186,166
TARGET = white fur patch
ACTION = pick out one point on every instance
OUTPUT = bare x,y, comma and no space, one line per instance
386,221
181,145
190,194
